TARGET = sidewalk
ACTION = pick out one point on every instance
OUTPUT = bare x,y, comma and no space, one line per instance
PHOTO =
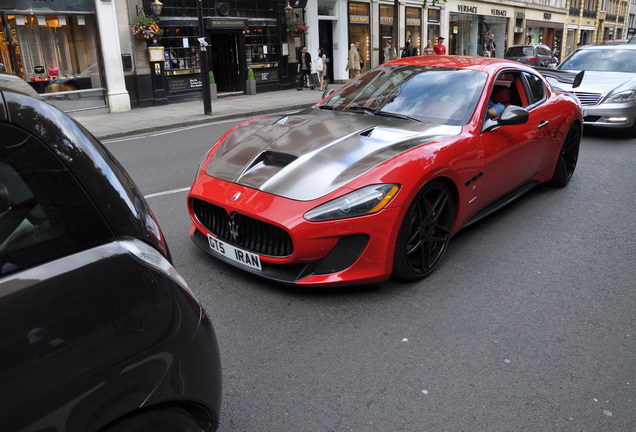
151,119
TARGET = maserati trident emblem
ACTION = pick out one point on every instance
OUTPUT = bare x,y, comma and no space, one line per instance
236,196
233,230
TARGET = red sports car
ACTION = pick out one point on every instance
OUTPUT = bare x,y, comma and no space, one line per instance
374,180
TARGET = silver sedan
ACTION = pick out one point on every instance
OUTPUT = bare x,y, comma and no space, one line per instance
608,89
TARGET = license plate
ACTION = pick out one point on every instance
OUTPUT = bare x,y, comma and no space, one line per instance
235,254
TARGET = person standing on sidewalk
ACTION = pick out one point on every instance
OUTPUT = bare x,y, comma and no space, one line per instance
428,49
304,68
389,51
354,64
440,48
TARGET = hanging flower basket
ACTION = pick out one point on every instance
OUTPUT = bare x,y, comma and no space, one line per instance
297,28
146,28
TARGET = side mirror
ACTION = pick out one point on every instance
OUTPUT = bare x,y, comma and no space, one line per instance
511,115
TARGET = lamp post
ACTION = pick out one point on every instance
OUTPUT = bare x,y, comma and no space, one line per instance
203,60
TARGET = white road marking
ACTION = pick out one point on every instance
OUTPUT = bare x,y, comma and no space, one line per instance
170,192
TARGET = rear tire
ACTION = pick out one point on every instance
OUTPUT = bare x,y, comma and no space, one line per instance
424,233
169,419
568,157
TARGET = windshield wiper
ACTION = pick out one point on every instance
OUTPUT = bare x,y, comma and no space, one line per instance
396,115
364,110
328,107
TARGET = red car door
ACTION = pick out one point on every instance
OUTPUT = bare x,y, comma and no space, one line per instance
512,153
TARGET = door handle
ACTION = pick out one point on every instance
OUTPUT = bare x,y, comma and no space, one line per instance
543,124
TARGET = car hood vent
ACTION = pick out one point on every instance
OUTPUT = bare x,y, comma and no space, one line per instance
308,155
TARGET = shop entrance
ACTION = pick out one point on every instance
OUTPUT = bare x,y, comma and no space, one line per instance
225,61
325,35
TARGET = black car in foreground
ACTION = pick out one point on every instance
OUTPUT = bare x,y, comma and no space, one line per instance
98,331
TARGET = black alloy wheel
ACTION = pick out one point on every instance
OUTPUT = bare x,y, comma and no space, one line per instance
568,157
425,232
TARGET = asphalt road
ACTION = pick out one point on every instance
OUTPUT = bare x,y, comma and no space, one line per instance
527,325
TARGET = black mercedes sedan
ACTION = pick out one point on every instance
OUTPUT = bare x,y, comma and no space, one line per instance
98,330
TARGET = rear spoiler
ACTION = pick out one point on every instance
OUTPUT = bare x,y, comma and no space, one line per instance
565,77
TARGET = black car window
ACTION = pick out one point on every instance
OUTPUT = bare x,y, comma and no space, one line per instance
44,211
537,88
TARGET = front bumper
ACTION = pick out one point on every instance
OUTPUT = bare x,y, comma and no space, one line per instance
615,116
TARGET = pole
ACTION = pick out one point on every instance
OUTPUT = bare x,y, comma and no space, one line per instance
203,60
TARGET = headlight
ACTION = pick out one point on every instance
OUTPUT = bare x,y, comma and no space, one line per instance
368,200
623,97
201,162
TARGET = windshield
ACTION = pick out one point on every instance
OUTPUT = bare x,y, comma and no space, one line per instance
429,94
606,60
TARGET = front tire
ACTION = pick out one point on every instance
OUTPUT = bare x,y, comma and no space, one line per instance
568,157
424,233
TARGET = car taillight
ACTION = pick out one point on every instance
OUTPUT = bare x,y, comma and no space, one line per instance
531,60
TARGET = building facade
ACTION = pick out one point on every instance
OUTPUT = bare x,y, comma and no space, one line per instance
82,54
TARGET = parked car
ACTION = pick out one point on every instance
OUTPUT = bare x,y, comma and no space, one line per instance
374,180
632,40
615,41
532,55
608,89
99,332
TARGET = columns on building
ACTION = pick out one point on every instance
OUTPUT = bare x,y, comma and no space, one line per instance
117,95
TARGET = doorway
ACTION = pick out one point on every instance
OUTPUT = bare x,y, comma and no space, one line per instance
225,61
325,41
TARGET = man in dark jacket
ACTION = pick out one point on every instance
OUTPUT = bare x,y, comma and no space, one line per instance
304,68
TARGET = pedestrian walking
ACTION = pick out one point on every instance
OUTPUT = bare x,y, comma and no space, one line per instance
304,68
320,66
354,64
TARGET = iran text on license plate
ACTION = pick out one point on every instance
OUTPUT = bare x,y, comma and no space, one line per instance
238,255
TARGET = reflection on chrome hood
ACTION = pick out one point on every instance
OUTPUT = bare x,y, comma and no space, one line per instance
307,155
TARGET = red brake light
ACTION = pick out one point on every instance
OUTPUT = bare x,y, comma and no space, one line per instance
531,59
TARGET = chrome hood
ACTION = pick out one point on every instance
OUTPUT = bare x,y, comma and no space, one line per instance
309,154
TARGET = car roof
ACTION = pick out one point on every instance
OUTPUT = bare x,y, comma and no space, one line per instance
15,84
529,45
608,47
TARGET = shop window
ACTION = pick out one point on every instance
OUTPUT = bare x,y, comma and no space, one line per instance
413,29
181,50
434,15
359,30
56,53
262,51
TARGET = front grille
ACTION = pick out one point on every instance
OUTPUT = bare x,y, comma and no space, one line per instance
243,231
588,98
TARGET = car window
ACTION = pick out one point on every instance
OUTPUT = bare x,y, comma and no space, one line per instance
537,88
516,94
44,211
520,51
